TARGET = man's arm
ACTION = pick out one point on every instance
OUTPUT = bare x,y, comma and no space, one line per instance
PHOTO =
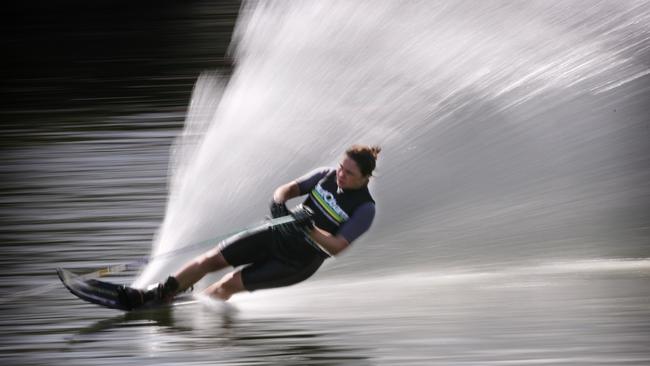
299,186
358,224
286,192
333,244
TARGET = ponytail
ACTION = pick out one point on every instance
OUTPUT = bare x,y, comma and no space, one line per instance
365,157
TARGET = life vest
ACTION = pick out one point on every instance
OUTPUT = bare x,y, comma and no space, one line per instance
333,207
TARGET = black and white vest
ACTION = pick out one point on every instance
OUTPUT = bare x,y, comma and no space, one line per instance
333,207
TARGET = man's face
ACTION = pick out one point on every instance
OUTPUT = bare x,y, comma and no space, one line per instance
348,175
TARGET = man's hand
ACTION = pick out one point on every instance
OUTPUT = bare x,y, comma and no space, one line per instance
303,215
278,209
300,226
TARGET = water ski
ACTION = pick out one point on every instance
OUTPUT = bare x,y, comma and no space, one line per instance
106,294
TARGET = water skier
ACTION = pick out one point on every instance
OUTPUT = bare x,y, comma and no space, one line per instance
337,210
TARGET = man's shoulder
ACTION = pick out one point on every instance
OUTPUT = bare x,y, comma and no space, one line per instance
322,171
325,170
309,180
367,208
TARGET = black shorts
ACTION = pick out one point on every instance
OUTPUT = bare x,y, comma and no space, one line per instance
271,261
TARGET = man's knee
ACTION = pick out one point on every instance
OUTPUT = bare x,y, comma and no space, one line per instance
212,261
229,285
232,282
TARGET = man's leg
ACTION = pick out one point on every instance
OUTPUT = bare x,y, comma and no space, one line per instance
229,285
246,249
191,273
194,270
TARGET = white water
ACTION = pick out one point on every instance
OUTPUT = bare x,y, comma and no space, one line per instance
511,131
411,291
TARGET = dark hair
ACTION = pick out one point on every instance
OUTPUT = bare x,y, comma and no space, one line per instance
365,157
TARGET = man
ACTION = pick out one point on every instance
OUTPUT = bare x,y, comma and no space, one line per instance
338,209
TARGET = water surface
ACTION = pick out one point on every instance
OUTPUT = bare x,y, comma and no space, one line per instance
512,221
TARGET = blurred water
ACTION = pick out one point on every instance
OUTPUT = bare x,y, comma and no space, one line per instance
513,215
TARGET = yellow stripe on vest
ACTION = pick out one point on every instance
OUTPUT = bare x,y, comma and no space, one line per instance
326,206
